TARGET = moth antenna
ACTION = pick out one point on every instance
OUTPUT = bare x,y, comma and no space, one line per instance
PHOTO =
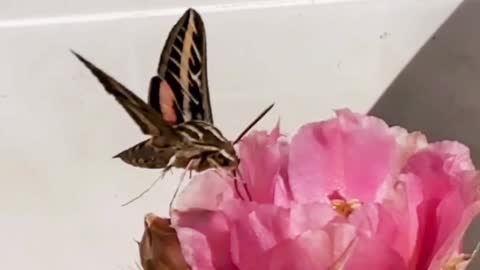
253,123
167,168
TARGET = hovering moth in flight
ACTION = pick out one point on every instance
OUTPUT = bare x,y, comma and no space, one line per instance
178,116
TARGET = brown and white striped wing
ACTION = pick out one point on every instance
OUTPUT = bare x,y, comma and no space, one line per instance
147,155
149,121
179,91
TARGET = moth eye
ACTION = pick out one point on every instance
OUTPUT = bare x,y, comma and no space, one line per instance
221,159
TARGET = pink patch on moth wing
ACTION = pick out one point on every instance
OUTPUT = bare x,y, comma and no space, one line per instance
167,103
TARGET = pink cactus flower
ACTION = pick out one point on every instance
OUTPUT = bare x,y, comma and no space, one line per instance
348,193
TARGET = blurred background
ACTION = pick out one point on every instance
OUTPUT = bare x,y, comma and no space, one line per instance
414,63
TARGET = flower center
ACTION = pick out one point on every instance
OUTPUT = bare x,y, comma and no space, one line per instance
345,208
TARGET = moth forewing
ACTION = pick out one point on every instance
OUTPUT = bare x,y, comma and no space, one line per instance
180,89
149,121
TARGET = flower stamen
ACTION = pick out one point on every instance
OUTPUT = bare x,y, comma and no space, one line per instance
457,262
345,208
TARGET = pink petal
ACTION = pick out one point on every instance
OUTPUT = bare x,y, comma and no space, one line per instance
304,217
401,202
267,225
310,251
442,224
457,156
204,237
261,230
192,242
205,191
317,249
282,194
439,203
371,253
443,167
373,220
449,214
261,161
446,190
282,191
409,144
332,155
432,178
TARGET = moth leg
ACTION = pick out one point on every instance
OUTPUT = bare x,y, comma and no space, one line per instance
237,188
182,178
232,174
167,168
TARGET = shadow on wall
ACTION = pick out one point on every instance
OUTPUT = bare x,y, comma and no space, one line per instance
438,92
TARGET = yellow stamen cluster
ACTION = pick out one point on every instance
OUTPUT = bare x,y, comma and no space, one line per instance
345,208
457,262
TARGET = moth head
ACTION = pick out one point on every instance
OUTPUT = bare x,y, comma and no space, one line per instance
225,157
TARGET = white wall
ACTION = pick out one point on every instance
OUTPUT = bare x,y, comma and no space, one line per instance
60,191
